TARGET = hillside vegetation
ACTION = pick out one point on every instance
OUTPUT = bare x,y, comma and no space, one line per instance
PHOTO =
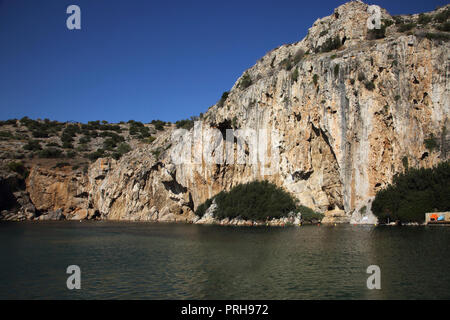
414,193
258,200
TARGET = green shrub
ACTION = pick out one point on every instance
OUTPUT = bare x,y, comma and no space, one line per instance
259,200
424,19
442,16
18,167
33,145
201,209
122,149
246,81
315,79
310,215
286,63
361,77
336,70
437,36
414,193
330,44
294,75
431,143
157,152
444,27
6,135
185,124
50,153
405,162
223,99
12,122
369,85
159,125
406,27
398,20
100,153
71,154
85,139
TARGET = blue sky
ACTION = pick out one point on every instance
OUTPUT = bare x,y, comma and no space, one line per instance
141,59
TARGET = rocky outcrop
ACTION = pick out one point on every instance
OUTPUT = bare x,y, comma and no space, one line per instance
337,127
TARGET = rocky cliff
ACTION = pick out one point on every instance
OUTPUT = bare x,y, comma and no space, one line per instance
339,113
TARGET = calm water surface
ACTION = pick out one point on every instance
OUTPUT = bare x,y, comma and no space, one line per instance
175,261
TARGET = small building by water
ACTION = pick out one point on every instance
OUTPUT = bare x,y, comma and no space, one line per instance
437,218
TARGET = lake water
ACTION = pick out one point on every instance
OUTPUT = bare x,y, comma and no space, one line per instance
177,261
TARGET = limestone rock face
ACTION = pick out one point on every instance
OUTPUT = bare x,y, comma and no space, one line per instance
337,125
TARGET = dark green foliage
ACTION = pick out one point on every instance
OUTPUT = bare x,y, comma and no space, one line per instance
398,20
69,132
201,209
234,122
330,44
286,64
444,27
114,137
315,79
309,215
424,19
369,85
397,97
159,125
121,150
50,153
223,99
406,27
336,70
6,135
141,131
414,193
246,81
96,125
157,152
361,77
71,154
387,23
42,129
85,139
18,167
253,201
431,143
33,145
97,154
109,144
442,16
294,75
405,162
185,124
437,36
289,62
12,122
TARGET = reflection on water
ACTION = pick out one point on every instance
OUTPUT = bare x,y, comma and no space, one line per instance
174,261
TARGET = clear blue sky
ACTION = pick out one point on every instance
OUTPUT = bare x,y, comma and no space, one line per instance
143,59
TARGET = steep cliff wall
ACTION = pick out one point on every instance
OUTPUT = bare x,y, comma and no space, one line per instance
339,125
